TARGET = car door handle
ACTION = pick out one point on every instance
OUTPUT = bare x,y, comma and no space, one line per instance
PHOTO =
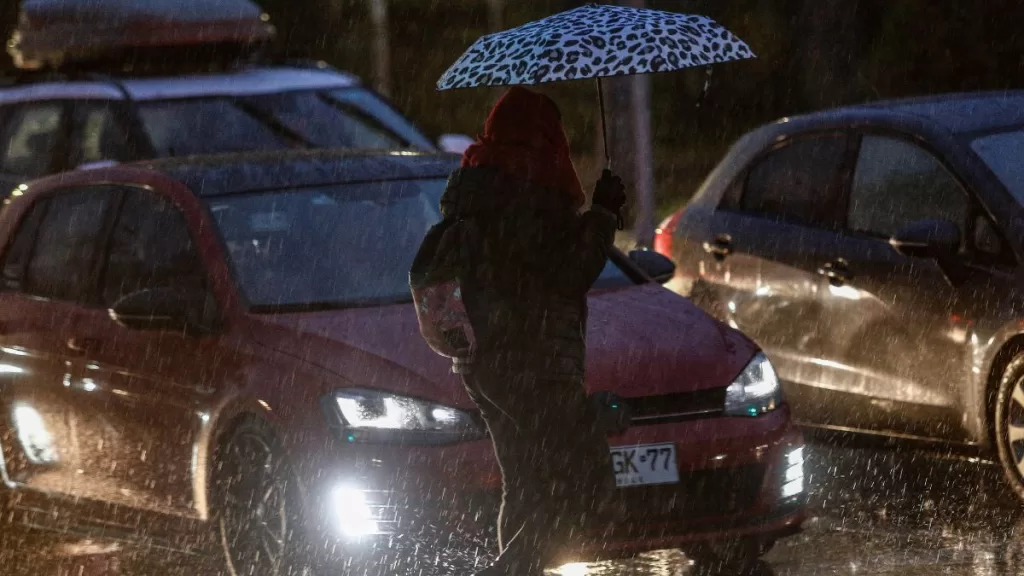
720,247
83,345
837,272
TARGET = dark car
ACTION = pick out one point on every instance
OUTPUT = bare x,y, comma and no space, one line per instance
229,344
874,252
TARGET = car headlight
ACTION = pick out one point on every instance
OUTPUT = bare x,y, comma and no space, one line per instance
756,391
378,416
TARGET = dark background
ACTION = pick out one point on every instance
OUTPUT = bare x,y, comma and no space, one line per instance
812,54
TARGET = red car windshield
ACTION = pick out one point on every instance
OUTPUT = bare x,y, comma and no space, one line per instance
334,247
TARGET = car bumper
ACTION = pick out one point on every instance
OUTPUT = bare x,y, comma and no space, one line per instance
732,472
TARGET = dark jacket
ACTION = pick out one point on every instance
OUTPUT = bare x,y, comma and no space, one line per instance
530,260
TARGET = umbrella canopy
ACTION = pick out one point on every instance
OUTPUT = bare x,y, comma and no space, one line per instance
594,41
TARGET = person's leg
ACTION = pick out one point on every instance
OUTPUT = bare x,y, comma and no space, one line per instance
581,482
556,468
498,396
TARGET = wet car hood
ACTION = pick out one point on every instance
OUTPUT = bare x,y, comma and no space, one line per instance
642,341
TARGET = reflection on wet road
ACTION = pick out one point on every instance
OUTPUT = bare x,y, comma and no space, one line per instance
874,512
882,512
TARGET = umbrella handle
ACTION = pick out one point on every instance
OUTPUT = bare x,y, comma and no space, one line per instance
604,125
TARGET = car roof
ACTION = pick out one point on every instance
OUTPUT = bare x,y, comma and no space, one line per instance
956,113
224,174
243,82
247,82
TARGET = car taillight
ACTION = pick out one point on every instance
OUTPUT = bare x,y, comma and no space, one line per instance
664,232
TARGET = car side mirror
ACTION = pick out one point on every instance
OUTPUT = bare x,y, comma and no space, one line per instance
927,239
657,266
173,309
455,143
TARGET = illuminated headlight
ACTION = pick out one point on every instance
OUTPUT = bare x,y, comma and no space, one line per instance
373,415
756,391
351,514
793,478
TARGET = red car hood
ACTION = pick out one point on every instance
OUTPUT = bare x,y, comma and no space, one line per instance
642,341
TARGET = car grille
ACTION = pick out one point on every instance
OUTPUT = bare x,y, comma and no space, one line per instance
713,492
679,407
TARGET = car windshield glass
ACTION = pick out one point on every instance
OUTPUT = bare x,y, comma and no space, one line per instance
333,247
324,122
1001,152
360,100
205,126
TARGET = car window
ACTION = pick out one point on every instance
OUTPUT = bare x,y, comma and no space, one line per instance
799,182
373,106
325,123
62,259
205,126
1001,152
341,245
150,246
338,245
896,183
97,134
30,140
612,276
20,250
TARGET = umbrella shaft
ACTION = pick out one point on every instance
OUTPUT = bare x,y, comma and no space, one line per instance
604,125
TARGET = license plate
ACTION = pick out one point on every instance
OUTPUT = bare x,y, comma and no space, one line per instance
645,464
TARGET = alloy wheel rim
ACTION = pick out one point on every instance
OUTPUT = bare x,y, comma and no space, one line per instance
1015,427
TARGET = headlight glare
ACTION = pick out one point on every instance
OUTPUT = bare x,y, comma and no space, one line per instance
756,391
793,482
793,488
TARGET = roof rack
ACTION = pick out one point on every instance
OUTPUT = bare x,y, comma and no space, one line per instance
59,33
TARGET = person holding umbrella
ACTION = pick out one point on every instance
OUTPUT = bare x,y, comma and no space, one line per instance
529,261
501,284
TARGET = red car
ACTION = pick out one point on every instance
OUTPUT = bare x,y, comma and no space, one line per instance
221,353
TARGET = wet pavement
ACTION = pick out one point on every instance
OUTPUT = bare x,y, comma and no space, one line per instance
873,511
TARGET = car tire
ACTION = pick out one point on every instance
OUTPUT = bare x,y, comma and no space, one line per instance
1008,421
257,501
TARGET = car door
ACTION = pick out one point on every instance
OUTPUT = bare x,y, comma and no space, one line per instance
33,141
47,273
768,236
150,392
897,342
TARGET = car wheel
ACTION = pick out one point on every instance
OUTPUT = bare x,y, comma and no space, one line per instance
258,506
1009,424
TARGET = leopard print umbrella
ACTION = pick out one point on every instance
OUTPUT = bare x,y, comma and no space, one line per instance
594,41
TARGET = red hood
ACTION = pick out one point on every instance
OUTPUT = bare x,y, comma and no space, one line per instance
642,341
